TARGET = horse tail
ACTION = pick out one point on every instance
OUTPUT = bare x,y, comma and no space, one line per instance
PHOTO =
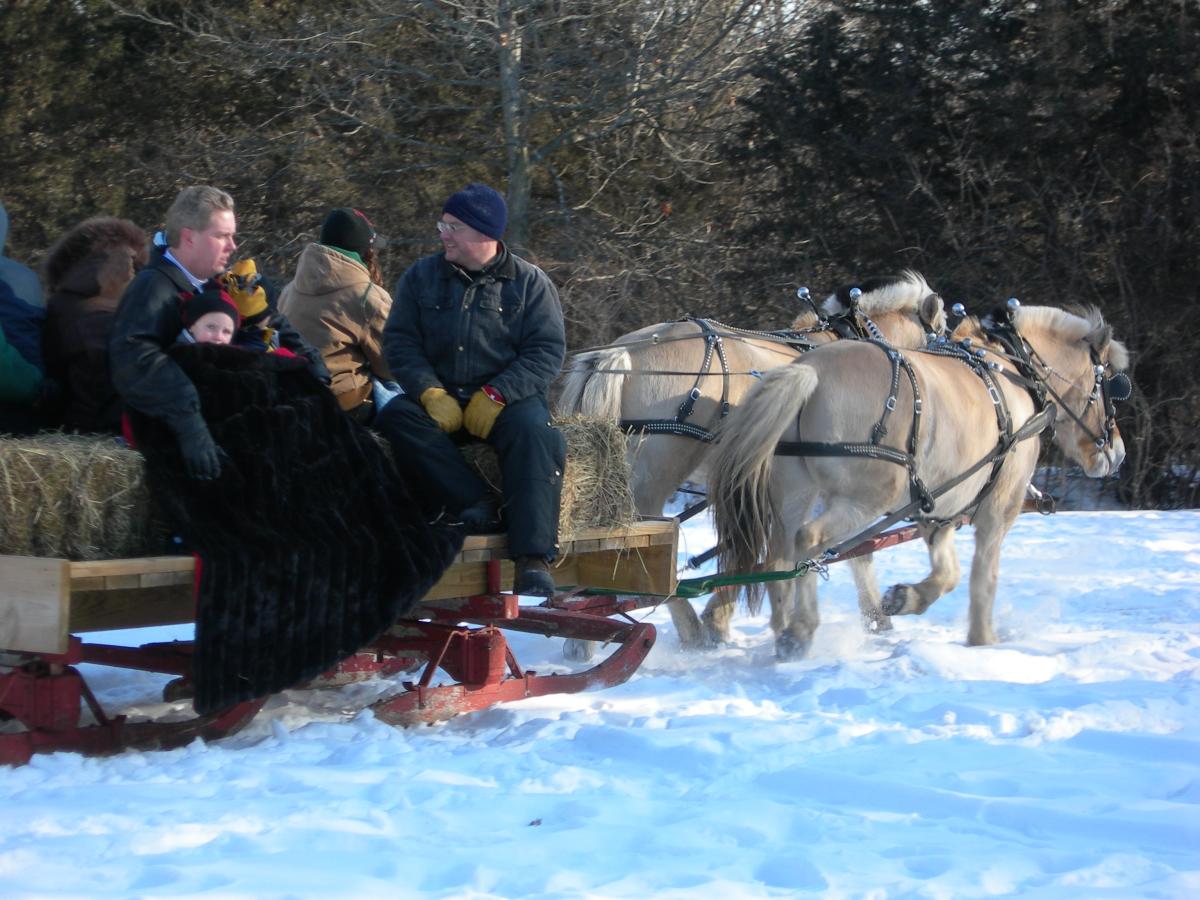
739,491
593,384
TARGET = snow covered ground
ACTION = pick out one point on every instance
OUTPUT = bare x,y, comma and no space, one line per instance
1063,762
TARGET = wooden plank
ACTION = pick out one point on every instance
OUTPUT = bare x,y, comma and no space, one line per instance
43,600
141,607
646,570
134,566
158,579
121,582
34,604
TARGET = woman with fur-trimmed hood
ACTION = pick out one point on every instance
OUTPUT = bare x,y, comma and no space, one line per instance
86,273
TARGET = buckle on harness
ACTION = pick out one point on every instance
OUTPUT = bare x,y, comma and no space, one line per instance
694,393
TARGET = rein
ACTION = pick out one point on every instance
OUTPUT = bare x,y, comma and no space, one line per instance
1105,390
845,326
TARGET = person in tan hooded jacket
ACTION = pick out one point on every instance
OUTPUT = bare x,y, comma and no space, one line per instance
337,304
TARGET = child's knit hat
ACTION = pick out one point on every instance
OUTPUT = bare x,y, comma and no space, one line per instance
211,298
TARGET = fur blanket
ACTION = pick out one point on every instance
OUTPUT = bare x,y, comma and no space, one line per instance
309,543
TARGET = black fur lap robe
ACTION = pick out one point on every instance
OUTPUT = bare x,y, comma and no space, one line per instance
310,543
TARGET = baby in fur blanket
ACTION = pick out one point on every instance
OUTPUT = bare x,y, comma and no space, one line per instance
309,544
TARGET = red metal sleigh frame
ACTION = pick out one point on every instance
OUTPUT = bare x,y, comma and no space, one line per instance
460,631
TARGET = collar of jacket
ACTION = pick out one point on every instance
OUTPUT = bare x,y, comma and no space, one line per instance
160,262
502,267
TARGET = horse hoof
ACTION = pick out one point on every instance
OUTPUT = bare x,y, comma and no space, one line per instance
875,623
578,651
713,639
788,646
895,600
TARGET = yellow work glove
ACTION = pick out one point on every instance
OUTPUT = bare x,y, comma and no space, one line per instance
443,409
482,411
241,283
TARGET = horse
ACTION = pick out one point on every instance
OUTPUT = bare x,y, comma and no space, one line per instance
802,466
660,384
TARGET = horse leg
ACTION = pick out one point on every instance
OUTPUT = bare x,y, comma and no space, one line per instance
910,599
869,602
985,570
718,613
992,523
794,616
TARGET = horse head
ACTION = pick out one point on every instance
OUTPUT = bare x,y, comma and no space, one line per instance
1081,369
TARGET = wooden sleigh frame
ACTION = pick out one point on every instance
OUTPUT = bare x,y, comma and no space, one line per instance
47,604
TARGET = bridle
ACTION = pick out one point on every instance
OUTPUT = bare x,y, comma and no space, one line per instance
1107,390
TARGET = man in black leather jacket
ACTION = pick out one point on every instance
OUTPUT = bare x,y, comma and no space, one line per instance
475,337
200,232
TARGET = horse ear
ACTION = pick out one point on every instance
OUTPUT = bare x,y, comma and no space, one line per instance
1098,338
933,311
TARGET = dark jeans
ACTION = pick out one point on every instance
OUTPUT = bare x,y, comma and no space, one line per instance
532,455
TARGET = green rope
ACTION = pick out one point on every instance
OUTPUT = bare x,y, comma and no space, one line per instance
691,588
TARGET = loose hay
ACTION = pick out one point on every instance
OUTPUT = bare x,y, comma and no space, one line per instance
85,497
596,490
73,497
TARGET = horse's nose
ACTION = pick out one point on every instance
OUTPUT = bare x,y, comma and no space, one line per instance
1116,455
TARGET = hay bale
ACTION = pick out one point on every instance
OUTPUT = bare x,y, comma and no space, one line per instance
74,497
596,490
85,497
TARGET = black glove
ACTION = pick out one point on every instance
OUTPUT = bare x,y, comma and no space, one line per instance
201,455
320,371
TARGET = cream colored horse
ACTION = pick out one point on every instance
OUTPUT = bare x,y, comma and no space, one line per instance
650,373
772,511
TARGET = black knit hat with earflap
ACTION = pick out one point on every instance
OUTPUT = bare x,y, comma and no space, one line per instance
212,298
348,229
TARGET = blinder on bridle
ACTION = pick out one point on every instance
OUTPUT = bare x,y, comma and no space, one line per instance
1117,388
1108,390
1113,389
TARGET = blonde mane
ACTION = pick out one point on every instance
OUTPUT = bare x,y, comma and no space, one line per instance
903,294
1088,326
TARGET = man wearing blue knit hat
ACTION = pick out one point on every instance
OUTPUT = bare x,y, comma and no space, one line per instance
475,337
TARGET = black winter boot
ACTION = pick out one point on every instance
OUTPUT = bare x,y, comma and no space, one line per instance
533,578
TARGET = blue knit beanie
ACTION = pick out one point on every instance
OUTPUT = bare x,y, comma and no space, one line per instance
480,207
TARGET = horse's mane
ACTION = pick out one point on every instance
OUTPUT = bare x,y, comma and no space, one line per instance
805,319
881,294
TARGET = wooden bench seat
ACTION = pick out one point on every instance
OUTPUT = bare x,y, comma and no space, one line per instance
44,601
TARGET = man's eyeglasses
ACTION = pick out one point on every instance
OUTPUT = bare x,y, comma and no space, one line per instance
450,227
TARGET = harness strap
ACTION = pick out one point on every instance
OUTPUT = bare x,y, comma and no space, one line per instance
667,426
1033,426
679,426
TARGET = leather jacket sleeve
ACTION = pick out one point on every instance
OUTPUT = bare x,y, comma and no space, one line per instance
146,323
